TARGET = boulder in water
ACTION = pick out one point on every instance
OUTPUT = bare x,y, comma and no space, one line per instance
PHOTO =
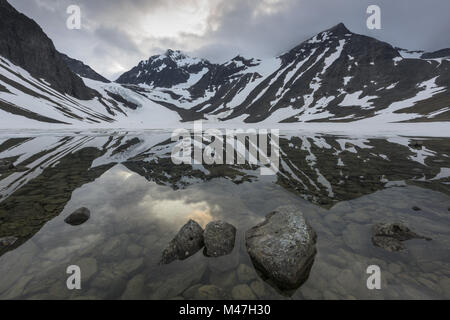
283,247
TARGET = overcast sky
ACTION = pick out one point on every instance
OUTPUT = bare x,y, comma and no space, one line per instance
117,34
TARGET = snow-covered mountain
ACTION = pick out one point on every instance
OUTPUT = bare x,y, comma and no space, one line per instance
167,70
336,76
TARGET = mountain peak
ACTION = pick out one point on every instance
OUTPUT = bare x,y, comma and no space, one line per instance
340,28
174,54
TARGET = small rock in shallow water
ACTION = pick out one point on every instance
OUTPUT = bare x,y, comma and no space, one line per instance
242,292
283,247
135,288
224,279
245,273
219,239
186,243
258,289
78,217
7,241
210,292
390,236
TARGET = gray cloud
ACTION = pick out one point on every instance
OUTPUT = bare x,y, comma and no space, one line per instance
116,35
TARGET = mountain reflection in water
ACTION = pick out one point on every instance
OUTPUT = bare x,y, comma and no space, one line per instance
139,199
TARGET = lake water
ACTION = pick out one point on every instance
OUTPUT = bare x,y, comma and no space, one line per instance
139,200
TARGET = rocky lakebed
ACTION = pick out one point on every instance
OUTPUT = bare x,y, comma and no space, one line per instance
141,227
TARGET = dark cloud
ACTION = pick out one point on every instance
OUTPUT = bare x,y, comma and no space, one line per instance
117,34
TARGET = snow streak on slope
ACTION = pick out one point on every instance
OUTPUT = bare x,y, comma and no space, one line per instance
428,89
25,95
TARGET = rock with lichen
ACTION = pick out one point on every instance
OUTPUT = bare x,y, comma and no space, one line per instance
283,247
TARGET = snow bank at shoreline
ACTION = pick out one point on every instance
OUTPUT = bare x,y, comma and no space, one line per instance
429,129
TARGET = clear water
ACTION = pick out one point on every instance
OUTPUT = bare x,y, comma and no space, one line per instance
133,218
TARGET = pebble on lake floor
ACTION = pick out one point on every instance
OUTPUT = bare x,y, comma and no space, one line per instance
78,217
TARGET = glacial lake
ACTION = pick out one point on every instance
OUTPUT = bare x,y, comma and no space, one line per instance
139,200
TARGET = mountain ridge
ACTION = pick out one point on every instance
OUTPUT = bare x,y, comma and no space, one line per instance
335,76
78,67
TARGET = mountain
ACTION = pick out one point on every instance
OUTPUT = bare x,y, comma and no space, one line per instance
336,76
83,70
165,71
24,43
444,53
38,88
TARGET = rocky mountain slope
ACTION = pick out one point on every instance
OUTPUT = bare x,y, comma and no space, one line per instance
443,53
165,71
24,43
42,88
83,70
336,76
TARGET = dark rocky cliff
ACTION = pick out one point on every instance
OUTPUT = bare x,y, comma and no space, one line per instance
25,44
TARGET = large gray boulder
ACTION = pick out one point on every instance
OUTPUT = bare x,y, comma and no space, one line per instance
282,247
390,236
186,243
219,239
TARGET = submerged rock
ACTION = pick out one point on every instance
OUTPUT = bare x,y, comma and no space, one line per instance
7,241
242,292
78,217
210,292
219,239
186,243
283,247
245,273
390,236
